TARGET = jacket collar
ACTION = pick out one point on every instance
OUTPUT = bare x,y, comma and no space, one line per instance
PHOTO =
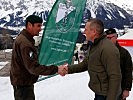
96,41
28,35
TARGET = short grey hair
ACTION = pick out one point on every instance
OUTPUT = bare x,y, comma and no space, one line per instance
97,24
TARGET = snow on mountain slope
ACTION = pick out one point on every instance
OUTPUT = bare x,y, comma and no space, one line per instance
126,4
13,13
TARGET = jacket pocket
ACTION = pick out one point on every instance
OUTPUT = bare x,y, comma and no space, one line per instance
94,83
103,81
98,82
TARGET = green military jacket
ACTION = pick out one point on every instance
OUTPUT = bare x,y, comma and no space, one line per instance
103,65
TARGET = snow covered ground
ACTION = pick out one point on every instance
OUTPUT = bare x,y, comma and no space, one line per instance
2,64
70,87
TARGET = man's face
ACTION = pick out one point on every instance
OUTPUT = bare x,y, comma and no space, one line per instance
34,29
89,32
112,37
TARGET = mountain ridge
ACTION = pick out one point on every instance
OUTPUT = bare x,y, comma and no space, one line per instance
15,12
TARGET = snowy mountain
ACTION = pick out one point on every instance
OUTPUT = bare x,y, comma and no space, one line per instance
111,14
13,13
114,13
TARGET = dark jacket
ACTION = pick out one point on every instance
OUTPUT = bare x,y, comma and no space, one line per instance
103,65
25,67
126,68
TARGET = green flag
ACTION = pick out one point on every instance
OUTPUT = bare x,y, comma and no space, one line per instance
61,32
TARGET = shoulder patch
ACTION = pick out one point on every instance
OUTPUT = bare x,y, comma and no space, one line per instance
31,54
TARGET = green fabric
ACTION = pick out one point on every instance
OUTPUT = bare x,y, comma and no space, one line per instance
61,32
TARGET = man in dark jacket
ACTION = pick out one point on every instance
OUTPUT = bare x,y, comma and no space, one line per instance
102,62
25,67
125,64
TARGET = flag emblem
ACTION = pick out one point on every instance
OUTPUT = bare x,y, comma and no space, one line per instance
65,16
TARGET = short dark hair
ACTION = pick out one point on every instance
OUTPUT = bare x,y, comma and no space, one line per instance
97,24
33,19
